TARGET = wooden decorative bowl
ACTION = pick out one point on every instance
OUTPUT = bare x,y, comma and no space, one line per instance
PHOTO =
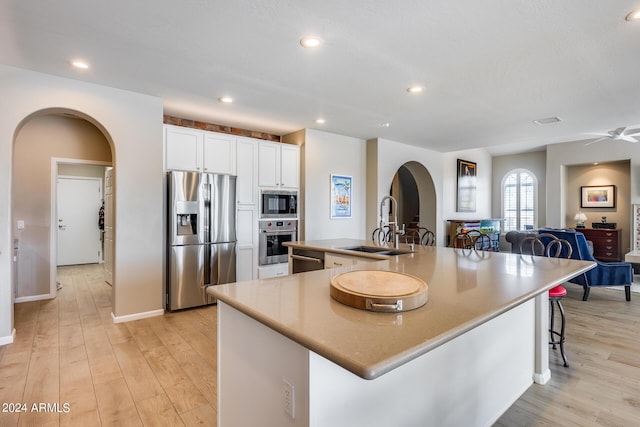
379,290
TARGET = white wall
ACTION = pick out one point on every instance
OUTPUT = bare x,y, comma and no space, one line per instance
133,124
324,154
385,158
483,190
373,166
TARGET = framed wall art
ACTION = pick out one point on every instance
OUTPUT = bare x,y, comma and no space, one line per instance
603,196
466,189
341,196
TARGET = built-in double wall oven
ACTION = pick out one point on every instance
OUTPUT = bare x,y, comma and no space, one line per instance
273,234
278,224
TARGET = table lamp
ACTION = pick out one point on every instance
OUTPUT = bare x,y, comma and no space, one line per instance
580,218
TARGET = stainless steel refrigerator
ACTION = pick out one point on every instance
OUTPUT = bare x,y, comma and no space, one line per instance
202,236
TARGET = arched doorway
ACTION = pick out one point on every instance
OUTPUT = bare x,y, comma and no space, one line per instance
413,188
44,142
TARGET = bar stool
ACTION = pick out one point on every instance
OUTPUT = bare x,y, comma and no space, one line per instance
381,235
428,237
558,248
556,295
411,236
555,248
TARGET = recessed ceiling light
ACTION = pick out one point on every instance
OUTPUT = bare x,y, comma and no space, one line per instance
310,41
633,16
320,121
225,99
547,120
415,89
385,125
79,64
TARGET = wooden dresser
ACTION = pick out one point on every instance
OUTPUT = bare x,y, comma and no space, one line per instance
607,244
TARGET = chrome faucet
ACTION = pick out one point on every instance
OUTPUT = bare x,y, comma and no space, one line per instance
395,231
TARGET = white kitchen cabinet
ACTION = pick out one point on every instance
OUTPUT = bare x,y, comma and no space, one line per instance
247,208
279,165
290,166
268,164
183,148
274,270
245,260
332,260
247,168
199,151
219,153
246,223
247,242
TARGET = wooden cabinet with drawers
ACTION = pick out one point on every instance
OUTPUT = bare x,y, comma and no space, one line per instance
607,244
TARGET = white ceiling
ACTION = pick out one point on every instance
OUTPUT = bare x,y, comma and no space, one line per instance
489,68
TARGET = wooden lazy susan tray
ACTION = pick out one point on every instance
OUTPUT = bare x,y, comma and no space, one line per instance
379,290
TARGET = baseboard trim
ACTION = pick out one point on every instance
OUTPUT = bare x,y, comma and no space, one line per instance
136,316
34,298
9,338
542,378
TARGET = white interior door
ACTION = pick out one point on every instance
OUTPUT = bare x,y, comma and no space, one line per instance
78,202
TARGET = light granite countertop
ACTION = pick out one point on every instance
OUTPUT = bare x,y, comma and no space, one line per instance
466,288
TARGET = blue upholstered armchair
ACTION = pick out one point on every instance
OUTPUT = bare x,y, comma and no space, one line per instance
605,273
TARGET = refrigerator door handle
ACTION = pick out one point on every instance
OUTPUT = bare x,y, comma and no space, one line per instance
213,265
206,279
206,208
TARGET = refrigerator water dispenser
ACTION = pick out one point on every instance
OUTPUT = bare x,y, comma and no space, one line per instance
187,218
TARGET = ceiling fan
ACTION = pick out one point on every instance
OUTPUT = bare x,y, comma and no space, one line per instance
620,134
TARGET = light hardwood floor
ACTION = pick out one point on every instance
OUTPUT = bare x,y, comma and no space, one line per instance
162,371
152,372
602,385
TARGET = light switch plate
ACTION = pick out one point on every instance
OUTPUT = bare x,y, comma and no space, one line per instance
20,224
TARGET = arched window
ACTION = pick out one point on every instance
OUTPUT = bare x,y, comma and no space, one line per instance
519,200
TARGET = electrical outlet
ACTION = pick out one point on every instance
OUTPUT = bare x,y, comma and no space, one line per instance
288,398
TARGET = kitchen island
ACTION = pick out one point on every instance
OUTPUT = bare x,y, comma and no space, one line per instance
285,346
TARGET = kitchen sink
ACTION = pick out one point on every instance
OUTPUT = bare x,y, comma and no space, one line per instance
376,250
393,252
368,249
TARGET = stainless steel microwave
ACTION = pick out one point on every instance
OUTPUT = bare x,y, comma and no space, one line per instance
278,204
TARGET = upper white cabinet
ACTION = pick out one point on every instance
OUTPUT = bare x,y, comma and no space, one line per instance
183,148
247,168
200,151
279,165
219,153
269,164
290,166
